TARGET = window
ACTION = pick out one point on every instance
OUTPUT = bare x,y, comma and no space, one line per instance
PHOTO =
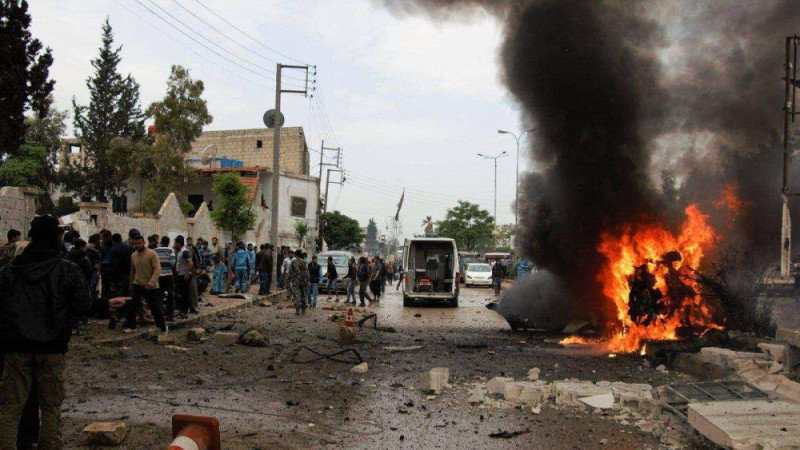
196,200
299,207
259,143
119,204
74,149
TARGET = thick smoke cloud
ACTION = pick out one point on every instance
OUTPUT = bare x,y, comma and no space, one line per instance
620,91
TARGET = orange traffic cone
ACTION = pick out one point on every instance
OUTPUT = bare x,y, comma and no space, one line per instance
195,433
347,332
348,320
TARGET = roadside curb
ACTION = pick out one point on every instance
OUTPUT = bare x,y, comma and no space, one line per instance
128,339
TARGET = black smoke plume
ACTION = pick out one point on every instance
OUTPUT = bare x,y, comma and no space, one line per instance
621,91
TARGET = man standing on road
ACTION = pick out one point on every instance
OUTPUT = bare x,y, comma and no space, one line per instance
331,275
241,266
145,270
363,280
41,297
216,250
166,280
264,269
298,278
184,267
314,275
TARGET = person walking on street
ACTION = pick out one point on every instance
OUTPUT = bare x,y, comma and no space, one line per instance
166,280
220,275
287,263
363,280
264,269
241,267
331,275
497,276
314,277
298,279
251,259
42,296
351,279
145,271
375,278
184,266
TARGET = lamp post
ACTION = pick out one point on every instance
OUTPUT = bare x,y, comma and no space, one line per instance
494,158
516,189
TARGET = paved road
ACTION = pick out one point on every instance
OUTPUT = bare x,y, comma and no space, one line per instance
265,400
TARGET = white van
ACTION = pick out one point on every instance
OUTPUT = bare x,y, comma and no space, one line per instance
431,270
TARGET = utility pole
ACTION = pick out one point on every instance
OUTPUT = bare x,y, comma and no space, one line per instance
516,189
276,153
322,164
790,78
325,203
494,158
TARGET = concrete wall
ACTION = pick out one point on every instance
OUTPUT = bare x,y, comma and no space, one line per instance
242,145
17,209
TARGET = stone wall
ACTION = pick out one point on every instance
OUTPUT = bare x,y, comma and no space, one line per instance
201,225
17,209
242,145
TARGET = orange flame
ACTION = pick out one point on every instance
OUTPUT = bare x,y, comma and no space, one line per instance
573,340
647,242
729,199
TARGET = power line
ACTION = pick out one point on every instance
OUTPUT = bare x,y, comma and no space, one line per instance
192,50
200,43
290,77
325,113
250,37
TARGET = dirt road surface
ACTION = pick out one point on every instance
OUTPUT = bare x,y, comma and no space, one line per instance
267,398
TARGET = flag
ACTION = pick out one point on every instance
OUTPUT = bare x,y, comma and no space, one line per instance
400,205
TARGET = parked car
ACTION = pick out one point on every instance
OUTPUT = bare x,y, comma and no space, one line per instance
340,259
478,274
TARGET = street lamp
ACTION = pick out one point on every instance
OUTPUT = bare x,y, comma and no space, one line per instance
494,158
516,190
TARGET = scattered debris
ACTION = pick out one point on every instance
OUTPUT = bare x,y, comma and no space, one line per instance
105,433
195,334
661,368
497,385
748,424
533,374
347,335
178,348
253,338
477,396
166,339
225,338
602,401
361,368
435,379
508,434
409,348
330,356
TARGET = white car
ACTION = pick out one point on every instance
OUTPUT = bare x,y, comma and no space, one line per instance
478,274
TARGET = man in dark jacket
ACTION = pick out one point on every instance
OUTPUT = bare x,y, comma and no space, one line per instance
41,296
264,266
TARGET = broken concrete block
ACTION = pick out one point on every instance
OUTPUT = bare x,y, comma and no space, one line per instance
347,335
776,352
788,389
166,339
568,393
477,396
748,424
789,336
728,358
361,368
602,401
225,338
497,385
253,338
435,379
639,390
775,367
105,433
534,393
533,374
195,334
661,368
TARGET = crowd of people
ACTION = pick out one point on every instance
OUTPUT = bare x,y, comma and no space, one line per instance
53,280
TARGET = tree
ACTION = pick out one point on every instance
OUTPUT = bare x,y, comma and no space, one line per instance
471,226
232,210
24,75
113,112
301,230
372,234
340,230
28,168
179,120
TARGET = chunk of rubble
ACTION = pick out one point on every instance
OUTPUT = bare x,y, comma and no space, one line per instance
527,392
569,393
602,401
435,379
497,385
253,338
195,334
225,338
748,424
775,352
533,374
361,368
105,433
166,339
477,396
731,359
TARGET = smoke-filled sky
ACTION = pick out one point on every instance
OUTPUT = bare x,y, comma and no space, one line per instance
623,90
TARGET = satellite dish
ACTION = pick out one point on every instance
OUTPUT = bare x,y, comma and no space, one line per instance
274,119
208,154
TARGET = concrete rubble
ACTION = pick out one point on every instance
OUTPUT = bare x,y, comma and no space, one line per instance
225,338
361,368
752,424
533,374
166,339
253,338
435,379
602,401
195,334
104,433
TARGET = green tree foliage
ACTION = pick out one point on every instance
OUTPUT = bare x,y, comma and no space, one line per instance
301,230
340,230
24,73
160,160
469,225
232,210
372,234
114,111
28,168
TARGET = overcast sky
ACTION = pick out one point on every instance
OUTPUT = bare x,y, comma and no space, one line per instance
411,101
